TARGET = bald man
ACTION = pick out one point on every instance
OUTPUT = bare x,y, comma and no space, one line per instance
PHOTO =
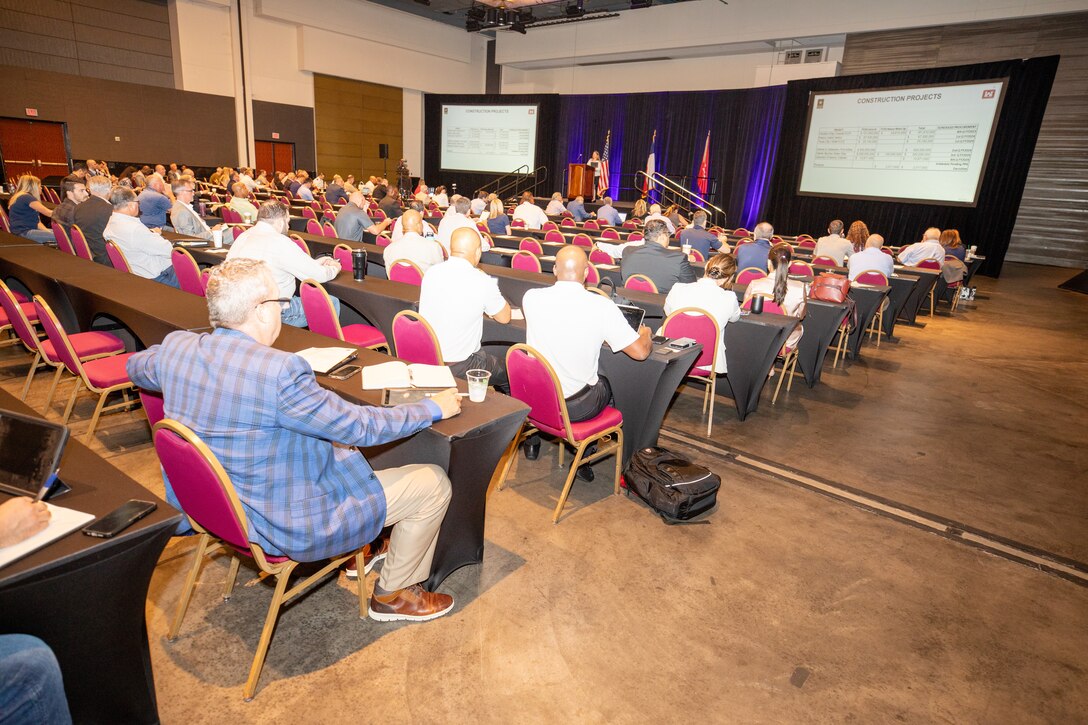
154,204
568,324
351,221
412,246
928,249
454,298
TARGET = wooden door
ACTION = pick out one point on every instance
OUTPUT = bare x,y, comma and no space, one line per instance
283,154
265,160
34,147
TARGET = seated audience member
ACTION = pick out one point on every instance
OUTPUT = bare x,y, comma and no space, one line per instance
390,201
268,242
349,185
871,259
147,253
174,174
698,237
369,185
294,181
184,217
242,203
858,235
451,209
412,245
319,183
497,220
567,324
527,211
245,176
440,197
479,203
674,216
428,232
31,685
93,215
279,181
25,210
950,240
929,248
655,213
607,213
638,211
834,245
289,445
555,205
577,208
154,203
756,253
454,298
456,218
304,191
335,194
352,220
789,294
714,294
654,259
92,168
75,193
423,194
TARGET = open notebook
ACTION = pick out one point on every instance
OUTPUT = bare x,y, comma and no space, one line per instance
324,359
397,374
62,522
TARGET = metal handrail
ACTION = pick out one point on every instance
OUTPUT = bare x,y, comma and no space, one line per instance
692,198
498,179
538,179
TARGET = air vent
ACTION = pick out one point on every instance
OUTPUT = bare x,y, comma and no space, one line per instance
792,57
625,60
815,55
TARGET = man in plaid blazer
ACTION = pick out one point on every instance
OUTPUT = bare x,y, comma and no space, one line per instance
276,432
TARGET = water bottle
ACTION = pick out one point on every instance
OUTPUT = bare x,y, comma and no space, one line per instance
358,264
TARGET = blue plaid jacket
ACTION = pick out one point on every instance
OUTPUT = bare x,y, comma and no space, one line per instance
273,428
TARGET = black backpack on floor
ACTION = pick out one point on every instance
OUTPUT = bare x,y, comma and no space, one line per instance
670,484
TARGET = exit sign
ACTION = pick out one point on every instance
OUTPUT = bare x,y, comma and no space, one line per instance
32,112
275,135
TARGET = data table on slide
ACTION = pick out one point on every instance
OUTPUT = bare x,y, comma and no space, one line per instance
917,148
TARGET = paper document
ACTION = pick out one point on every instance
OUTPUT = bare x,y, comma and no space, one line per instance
396,374
324,359
63,521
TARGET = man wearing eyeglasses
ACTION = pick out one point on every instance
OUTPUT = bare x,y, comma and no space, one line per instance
267,241
288,444
184,217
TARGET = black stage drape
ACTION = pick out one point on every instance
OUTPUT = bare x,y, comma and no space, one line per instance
989,224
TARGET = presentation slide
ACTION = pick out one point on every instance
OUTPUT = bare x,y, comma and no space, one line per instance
920,144
496,139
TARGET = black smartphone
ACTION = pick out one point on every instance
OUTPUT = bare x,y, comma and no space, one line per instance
344,372
120,519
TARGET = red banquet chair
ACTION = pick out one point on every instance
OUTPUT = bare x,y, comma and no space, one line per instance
591,224
517,224
414,339
593,276
533,382
823,261
567,222
598,256
930,264
117,257
301,243
610,233
801,269
552,235
342,254
329,229
582,240
533,246
313,226
788,355
64,244
635,237
407,272
877,279
806,244
79,243
525,261
640,283
549,226
748,274
700,326
187,271
321,318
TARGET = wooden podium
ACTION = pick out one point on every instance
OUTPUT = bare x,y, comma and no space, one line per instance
579,181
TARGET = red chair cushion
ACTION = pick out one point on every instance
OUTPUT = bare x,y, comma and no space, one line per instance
363,335
107,371
86,344
608,418
28,310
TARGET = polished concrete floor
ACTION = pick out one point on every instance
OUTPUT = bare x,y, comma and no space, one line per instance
786,605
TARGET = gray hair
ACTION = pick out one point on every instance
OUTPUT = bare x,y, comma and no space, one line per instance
182,183
271,210
699,219
235,287
99,186
122,196
932,233
874,240
607,201
763,230
835,227
656,231
462,205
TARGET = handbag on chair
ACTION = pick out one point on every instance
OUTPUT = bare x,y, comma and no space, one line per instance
829,288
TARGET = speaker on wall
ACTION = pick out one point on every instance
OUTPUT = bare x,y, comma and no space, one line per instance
383,151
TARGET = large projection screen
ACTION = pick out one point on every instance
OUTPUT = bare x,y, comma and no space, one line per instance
489,138
922,144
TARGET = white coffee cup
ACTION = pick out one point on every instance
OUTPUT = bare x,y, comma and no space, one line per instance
217,237
686,248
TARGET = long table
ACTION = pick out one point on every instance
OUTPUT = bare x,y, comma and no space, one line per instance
86,597
467,446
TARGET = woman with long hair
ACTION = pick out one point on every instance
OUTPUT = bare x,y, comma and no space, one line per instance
673,215
857,235
497,220
25,210
714,294
789,294
639,211
950,240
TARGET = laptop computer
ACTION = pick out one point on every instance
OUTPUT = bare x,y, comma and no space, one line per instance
30,453
633,315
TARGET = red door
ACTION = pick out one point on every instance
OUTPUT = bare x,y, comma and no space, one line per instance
275,155
263,150
33,147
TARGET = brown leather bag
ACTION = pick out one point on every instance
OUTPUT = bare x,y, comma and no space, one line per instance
829,288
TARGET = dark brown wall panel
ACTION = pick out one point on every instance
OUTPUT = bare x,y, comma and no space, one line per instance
154,124
351,119
292,123
1052,223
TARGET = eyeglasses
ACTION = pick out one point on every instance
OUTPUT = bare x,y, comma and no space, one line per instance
285,302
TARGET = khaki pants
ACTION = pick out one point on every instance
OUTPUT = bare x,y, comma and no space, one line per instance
416,499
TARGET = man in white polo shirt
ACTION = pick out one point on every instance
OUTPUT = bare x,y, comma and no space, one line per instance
456,218
147,253
412,245
454,298
834,245
527,211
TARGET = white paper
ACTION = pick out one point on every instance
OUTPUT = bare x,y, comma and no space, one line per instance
62,522
396,374
324,359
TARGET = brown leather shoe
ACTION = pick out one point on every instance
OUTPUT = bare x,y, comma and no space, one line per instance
414,604
370,558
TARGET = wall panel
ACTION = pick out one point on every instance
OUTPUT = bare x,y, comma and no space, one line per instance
1052,223
351,119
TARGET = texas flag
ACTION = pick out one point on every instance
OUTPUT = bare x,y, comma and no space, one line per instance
704,169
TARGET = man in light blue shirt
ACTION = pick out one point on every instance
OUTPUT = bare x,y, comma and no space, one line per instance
871,259
607,214
154,203
577,208
304,192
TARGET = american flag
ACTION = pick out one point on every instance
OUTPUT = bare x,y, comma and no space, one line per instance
602,181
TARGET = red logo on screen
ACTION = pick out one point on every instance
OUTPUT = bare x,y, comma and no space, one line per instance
988,93
532,111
